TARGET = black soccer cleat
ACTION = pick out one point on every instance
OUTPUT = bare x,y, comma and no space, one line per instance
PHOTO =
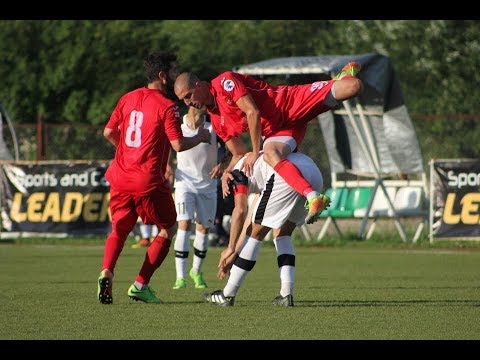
219,299
104,289
283,301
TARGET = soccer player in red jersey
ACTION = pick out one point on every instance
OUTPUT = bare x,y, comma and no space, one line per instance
143,127
239,103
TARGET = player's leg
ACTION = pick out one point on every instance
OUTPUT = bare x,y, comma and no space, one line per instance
182,249
124,217
276,149
346,85
205,209
275,211
271,210
350,70
200,248
241,267
286,264
185,206
275,152
157,208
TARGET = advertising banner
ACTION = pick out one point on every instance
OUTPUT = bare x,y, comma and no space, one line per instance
455,198
57,198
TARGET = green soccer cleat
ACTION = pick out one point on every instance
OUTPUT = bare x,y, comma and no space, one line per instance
180,283
198,279
104,289
146,295
286,301
217,298
315,207
351,69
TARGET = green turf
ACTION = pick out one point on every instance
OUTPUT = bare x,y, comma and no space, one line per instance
49,292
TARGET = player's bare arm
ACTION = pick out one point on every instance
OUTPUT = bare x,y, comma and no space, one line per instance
237,149
248,106
239,222
112,135
186,143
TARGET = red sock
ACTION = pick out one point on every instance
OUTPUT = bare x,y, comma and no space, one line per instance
113,247
293,177
156,253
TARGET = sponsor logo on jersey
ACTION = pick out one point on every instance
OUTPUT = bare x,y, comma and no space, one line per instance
176,111
228,85
318,85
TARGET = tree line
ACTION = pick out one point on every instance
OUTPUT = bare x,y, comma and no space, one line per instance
76,70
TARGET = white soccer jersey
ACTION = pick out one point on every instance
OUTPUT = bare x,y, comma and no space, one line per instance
278,201
194,165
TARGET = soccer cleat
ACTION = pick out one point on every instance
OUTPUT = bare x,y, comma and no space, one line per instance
198,279
351,69
146,295
283,300
141,243
315,207
180,283
219,299
104,291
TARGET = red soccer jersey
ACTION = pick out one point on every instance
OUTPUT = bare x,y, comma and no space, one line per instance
281,107
147,121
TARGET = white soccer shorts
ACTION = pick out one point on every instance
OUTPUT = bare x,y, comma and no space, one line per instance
198,207
278,203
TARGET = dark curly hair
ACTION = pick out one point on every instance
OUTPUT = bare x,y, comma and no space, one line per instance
156,62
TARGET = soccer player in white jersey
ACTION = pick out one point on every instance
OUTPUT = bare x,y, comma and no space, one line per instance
195,198
278,207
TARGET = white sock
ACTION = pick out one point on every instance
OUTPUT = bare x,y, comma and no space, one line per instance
312,194
237,275
139,285
284,246
181,247
107,273
200,246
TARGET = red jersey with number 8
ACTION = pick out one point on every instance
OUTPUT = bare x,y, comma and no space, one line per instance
147,121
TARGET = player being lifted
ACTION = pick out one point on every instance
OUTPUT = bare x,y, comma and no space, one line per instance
239,103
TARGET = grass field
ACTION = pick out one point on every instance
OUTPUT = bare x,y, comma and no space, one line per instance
341,293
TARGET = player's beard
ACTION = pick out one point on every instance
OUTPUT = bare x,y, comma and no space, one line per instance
169,90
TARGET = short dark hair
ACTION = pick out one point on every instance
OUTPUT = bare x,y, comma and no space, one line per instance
156,62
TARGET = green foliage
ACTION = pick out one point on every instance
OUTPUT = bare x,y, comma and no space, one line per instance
449,138
72,70
76,70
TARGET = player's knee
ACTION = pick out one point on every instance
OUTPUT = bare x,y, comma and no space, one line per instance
348,88
273,155
356,86
121,230
184,225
